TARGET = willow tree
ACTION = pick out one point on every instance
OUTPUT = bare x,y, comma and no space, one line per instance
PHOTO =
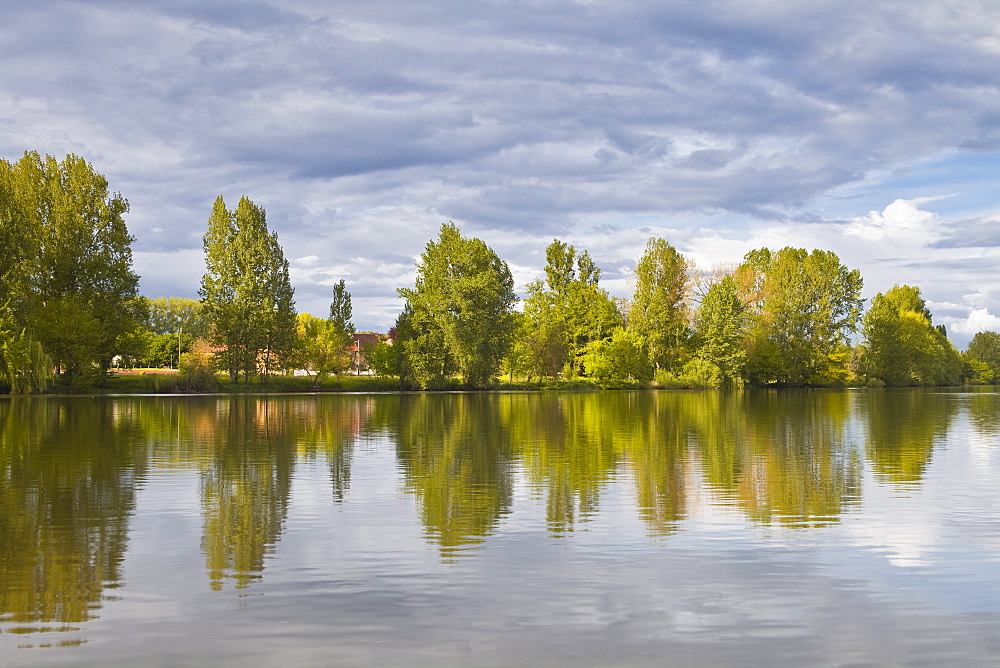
459,313
246,291
659,309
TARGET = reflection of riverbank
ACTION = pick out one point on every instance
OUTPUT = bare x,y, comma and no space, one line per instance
72,469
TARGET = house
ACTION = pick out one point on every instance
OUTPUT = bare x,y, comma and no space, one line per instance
362,341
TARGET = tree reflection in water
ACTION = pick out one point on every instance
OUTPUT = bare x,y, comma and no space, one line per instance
69,468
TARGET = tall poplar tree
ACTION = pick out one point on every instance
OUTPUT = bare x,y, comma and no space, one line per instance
341,312
721,324
246,291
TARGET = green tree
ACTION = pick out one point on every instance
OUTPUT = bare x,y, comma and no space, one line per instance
659,309
24,365
459,312
246,291
76,279
803,308
165,349
902,346
171,315
341,312
619,359
984,349
566,312
319,348
721,324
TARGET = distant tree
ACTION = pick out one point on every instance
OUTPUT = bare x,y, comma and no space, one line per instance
246,291
164,350
341,312
902,346
170,315
659,308
459,311
320,348
985,349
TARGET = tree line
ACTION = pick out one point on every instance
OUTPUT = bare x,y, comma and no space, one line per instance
70,309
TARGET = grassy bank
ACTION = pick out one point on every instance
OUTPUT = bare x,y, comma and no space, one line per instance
158,382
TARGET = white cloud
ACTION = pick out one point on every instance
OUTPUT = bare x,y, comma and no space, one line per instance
978,320
903,220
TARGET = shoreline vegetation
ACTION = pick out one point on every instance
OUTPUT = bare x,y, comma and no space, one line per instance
72,318
172,385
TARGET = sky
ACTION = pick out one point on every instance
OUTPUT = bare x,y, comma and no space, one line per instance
871,129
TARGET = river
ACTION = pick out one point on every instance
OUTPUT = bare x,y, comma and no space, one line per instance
800,527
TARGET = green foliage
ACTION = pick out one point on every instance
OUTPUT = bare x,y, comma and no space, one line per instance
803,307
696,374
902,347
980,373
164,350
722,324
383,359
622,358
67,279
341,312
659,309
459,313
197,369
246,291
170,315
320,348
24,366
984,351
565,313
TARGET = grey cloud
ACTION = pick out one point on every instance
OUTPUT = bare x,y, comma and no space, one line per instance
975,233
521,117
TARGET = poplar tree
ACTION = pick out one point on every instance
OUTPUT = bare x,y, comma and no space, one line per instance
341,312
721,324
246,291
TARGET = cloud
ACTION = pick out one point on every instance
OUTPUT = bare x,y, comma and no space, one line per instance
361,127
978,320
902,220
972,233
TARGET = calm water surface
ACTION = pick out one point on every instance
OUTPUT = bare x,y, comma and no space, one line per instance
800,527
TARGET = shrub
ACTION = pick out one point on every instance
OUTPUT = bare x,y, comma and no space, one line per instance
696,374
